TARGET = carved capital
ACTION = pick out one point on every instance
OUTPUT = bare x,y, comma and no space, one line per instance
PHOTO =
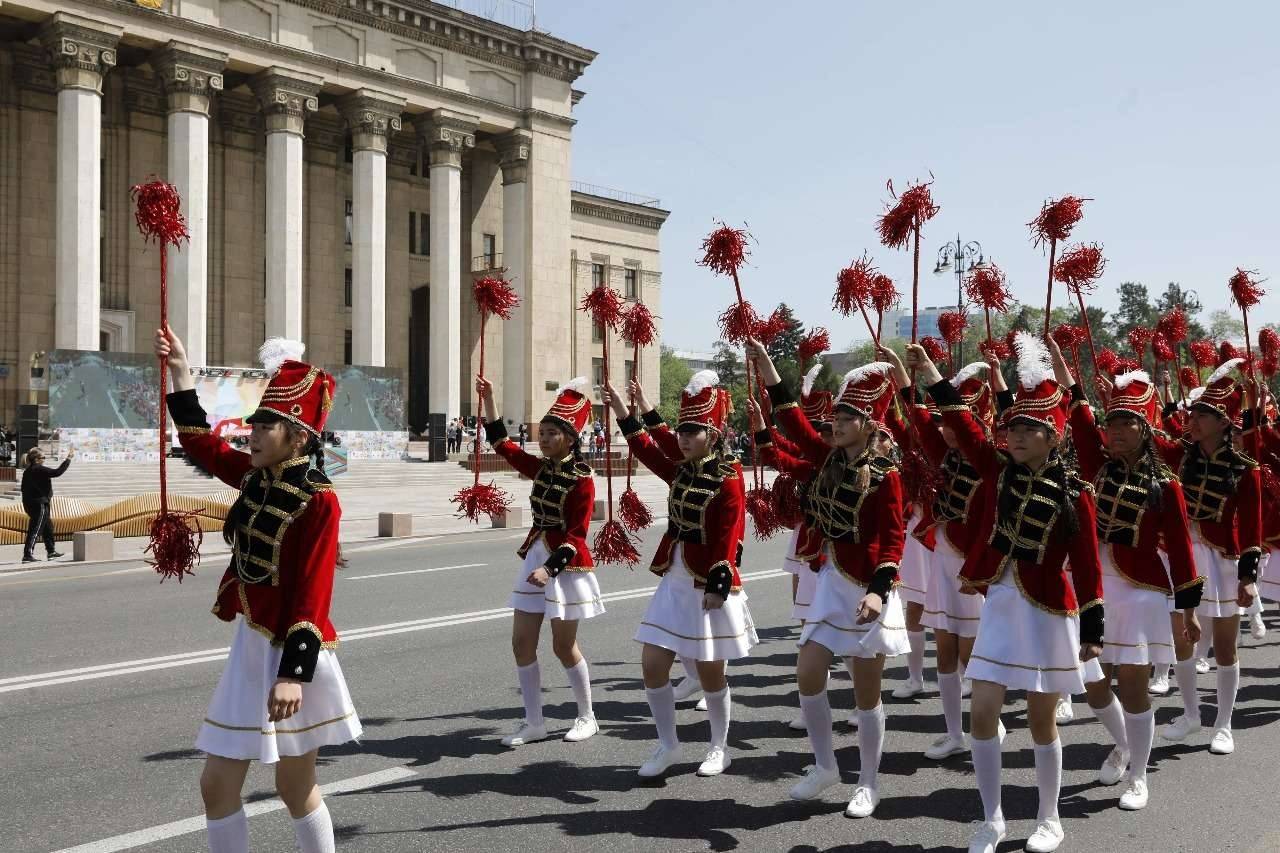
80,50
190,75
514,149
286,98
372,117
447,135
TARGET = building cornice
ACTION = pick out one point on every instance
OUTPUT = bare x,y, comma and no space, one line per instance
618,211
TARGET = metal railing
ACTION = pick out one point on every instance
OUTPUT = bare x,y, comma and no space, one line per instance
485,263
510,13
616,195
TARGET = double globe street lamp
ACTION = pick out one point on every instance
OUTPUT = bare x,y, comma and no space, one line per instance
962,257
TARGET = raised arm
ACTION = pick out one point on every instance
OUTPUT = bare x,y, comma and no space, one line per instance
971,439
496,432
786,412
641,444
1086,435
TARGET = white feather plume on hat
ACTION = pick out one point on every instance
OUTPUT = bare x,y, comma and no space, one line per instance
1223,369
853,377
1124,380
579,383
1034,364
276,351
700,381
968,372
809,378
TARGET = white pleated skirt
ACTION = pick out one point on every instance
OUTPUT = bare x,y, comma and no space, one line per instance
806,589
946,608
1024,647
790,563
833,619
1138,630
676,620
236,725
913,573
1221,579
570,595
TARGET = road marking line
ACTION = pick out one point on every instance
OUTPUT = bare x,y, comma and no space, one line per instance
112,670
415,571
152,834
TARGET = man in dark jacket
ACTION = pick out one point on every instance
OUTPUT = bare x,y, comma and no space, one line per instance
37,492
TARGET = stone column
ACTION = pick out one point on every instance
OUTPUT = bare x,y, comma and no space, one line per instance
371,116
80,51
286,97
190,75
514,148
447,134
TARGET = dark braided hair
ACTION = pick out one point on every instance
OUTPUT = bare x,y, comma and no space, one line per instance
1233,459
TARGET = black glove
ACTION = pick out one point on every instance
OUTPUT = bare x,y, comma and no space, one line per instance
1247,568
1092,622
882,581
559,558
720,580
1188,598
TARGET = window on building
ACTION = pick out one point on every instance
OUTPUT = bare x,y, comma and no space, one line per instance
629,370
597,275
102,218
630,283
419,233
414,169
349,151
597,372
597,334
490,242
346,348
348,216
346,288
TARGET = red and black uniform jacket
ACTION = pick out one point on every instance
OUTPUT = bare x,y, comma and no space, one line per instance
1269,445
706,511
1029,538
856,504
961,489
562,500
1223,491
784,455
286,544
1129,524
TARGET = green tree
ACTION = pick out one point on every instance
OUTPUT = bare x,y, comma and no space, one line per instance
673,376
1176,296
727,363
1136,309
1225,325
785,346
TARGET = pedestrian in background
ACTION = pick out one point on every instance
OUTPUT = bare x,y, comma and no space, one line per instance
37,493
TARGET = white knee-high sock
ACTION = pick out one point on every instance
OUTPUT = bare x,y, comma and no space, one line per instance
1162,670
915,657
986,766
1184,671
531,692
662,704
1048,778
1206,641
718,715
315,831
1140,729
580,680
870,745
1112,719
1228,684
950,688
229,834
817,718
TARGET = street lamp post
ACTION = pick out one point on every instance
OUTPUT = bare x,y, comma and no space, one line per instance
961,256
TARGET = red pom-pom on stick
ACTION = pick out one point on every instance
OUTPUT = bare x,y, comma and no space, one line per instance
495,297
175,544
760,508
1128,365
158,212
1269,343
772,327
1056,219
853,286
999,349
1269,365
1080,267
1228,351
1161,348
725,250
634,512
1203,353
1108,361
738,322
481,499
812,345
638,328
613,544
1173,325
1138,338
906,215
920,477
952,325
884,296
1188,377
604,305
935,349
1246,291
988,287
786,501
1068,337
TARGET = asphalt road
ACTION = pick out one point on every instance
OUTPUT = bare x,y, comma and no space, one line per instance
106,674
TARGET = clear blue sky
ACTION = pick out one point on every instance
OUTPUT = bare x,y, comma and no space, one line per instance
791,116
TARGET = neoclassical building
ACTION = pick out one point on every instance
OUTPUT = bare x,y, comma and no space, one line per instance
347,168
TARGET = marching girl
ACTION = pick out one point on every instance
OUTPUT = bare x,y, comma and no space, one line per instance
1269,443
1141,515
950,523
699,610
856,498
281,695
556,579
1039,517
1224,505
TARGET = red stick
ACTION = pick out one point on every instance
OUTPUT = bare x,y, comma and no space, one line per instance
1048,297
1084,319
608,443
164,379
475,464
635,375
1256,437
755,474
